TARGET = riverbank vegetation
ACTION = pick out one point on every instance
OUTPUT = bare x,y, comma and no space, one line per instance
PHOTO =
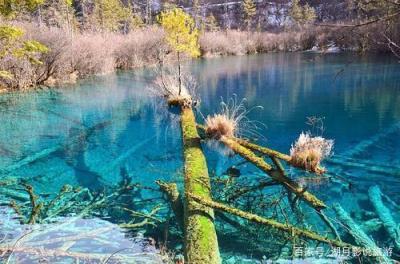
50,42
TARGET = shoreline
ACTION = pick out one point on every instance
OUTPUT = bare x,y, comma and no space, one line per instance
75,78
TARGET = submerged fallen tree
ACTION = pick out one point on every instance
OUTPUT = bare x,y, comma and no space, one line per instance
243,148
201,244
292,230
195,210
392,229
359,235
200,238
277,175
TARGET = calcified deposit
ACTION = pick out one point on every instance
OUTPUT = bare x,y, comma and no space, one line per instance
275,218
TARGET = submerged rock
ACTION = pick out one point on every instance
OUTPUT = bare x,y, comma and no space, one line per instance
68,240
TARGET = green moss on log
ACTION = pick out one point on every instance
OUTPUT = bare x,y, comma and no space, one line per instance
294,231
263,150
175,200
274,174
201,245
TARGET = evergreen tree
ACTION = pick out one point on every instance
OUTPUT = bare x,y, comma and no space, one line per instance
250,10
59,13
111,15
211,23
149,12
302,14
196,13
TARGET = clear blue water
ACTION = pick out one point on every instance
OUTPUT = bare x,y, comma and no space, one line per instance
93,133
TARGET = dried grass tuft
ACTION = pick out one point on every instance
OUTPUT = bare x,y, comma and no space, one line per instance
232,121
308,152
220,125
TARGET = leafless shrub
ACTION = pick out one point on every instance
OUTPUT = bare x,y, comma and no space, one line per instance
21,70
56,63
92,54
233,42
139,48
176,88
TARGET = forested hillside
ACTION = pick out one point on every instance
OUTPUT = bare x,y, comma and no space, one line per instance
44,42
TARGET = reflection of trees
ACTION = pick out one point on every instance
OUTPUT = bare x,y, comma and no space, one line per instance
373,90
283,83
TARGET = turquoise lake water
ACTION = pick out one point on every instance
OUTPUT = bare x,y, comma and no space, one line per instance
105,129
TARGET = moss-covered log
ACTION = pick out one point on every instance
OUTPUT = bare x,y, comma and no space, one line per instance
201,245
294,231
263,150
274,174
273,154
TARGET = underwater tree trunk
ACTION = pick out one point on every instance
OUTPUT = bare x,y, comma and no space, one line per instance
371,168
201,244
294,231
358,234
274,174
384,215
175,199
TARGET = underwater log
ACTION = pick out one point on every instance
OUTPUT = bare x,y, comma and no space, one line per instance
384,215
30,159
294,231
124,156
274,174
358,234
175,200
372,168
365,144
201,244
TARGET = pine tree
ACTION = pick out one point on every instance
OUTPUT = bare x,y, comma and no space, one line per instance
211,23
196,13
149,11
308,13
250,10
111,14
58,13
302,14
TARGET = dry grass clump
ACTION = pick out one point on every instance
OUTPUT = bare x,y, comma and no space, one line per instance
308,152
232,121
220,125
